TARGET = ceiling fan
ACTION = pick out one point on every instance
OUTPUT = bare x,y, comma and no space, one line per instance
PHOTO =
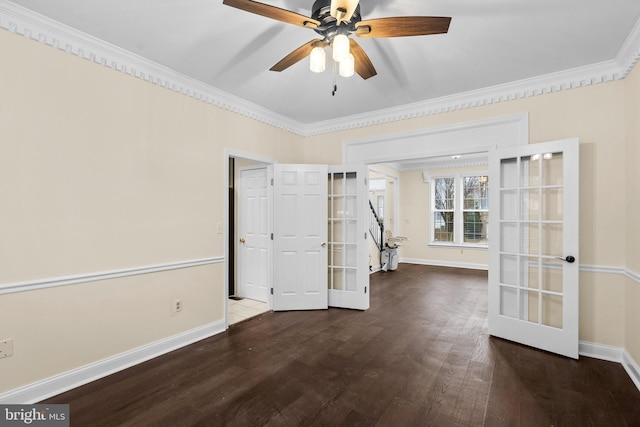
335,21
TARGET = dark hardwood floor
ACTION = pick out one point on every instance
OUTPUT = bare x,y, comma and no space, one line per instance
420,356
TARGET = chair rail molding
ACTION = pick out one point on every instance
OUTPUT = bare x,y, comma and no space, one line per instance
10,288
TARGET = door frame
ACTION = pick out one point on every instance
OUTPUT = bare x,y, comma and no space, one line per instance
396,195
226,232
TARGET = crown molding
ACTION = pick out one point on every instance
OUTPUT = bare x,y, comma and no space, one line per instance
555,82
629,53
22,21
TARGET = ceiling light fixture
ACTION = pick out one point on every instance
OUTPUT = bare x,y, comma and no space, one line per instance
317,59
347,66
340,48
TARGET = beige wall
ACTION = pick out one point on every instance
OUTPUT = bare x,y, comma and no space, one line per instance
633,213
415,223
101,171
596,115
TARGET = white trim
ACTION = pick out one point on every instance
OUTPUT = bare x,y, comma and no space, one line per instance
10,288
632,368
375,269
396,194
612,354
461,138
25,22
57,384
440,263
632,275
444,165
22,21
583,268
246,156
229,153
602,72
610,270
600,351
629,53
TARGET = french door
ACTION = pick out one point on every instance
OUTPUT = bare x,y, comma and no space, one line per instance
320,251
533,268
348,270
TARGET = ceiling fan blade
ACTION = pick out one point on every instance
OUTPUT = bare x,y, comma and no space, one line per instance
363,64
345,8
273,12
403,26
297,55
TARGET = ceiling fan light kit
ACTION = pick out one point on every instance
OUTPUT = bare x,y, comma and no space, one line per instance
340,47
335,21
317,59
347,66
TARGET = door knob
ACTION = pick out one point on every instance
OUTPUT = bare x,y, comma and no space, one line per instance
242,240
570,259
323,244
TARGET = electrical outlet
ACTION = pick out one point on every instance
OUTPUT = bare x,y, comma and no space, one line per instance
6,348
177,306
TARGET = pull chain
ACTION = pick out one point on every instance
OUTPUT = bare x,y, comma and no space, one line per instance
335,85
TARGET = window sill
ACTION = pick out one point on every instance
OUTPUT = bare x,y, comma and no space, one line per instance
454,246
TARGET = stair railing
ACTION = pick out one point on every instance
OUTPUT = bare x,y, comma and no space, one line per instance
376,227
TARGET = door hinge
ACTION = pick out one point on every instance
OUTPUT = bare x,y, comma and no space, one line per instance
365,235
365,289
271,236
271,291
271,181
366,182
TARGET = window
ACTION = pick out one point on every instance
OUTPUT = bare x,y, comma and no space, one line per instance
380,207
475,209
460,210
444,209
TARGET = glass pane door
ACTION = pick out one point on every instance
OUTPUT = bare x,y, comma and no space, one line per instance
346,284
533,289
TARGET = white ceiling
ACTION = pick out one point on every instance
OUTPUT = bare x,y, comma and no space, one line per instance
489,43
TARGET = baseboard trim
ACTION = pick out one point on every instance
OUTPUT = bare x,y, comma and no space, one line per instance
600,351
439,263
10,288
632,368
57,384
612,354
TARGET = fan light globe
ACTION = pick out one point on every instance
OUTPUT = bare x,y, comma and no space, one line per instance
340,47
347,66
318,58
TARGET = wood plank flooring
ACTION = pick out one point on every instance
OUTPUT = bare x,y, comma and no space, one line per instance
420,356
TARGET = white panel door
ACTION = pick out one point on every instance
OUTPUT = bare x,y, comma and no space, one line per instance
533,249
300,236
254,235
348,278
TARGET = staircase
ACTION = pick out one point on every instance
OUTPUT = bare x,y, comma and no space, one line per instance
376,227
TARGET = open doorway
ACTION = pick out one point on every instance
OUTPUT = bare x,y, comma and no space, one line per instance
407,152
442,210
248,242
